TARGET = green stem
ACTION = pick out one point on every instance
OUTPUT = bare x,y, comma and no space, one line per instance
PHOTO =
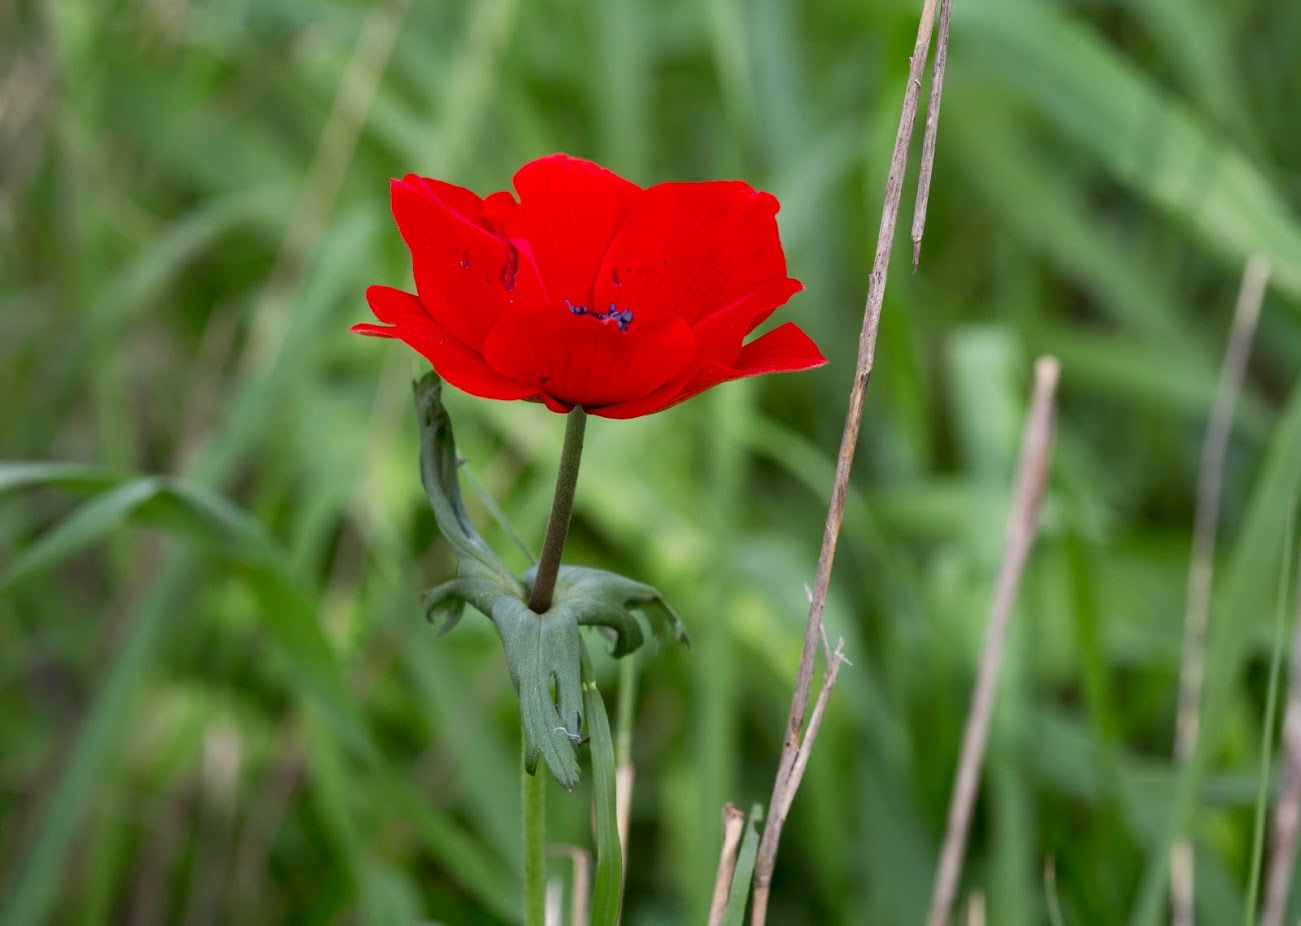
627,698
562,506
1267,734
533,790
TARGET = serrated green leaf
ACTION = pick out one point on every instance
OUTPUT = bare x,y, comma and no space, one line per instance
542,651
598,598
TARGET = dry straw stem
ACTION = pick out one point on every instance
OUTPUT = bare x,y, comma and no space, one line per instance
932,130
1287,814
834,661
1210,478
733,827
794,742
624,776
581,888
1031,478
1051,896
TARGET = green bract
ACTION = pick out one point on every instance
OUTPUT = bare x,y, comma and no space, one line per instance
543,651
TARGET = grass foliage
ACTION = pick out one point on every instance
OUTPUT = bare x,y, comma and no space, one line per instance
218,700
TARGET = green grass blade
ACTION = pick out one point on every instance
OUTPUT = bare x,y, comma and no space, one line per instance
1241,595
734,912
193,509
607,897
1149,141
33,881
86,525
20,474
1267,724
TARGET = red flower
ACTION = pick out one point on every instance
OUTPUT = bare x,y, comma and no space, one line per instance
591,290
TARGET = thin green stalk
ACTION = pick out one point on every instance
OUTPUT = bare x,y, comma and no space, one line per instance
1267,733
534,791
607,895
624,772
494,510
562,506
627,698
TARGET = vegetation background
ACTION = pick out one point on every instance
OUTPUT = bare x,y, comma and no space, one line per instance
219,702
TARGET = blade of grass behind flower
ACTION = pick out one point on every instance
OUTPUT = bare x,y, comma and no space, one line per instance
1247,576
32,884
21,474
1149,142
203,514
624,91
1267,723
734,912
481,764
607,895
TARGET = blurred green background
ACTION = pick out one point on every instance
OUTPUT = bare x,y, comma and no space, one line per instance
219,701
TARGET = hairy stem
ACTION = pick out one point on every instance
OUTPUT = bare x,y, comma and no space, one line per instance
562,506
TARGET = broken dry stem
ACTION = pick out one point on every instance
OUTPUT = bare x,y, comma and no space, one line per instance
1210,478
733,828
794,738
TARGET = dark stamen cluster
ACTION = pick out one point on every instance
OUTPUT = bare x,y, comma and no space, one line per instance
623,319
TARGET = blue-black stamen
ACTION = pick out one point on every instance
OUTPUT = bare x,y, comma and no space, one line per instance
622,319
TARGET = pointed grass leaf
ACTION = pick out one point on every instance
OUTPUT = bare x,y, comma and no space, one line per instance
87,524
21,474
180,506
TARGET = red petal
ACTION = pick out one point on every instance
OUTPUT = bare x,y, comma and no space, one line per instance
719,337
569,211
453,361
718,345
690,249
465,203
581,360
785,349
465,274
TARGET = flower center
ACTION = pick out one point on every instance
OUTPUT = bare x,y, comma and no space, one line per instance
622,319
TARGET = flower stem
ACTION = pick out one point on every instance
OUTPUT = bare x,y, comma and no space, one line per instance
562,507
533,787
533,790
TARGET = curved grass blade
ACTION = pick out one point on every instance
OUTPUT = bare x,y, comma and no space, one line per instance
86,525
186,507
21,474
